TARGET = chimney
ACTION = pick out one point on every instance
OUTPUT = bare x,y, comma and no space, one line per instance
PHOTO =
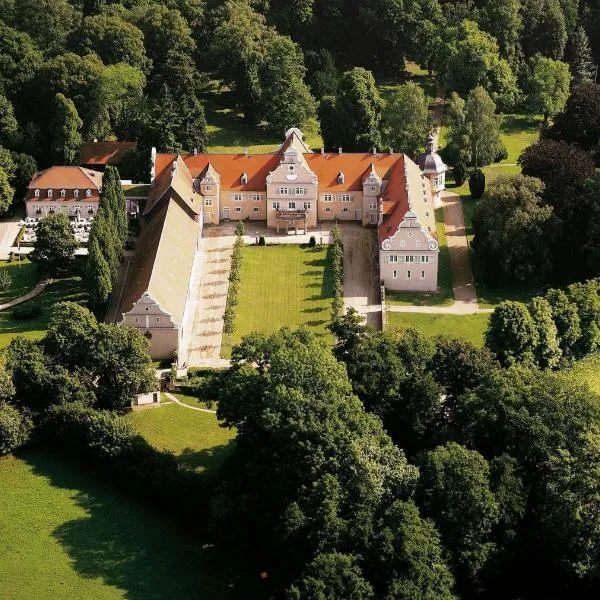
391,150
340,150
375,150
245,151
195,151
322,150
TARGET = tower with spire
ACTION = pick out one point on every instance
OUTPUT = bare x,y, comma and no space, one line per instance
434,169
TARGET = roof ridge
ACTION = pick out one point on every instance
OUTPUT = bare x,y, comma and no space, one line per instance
83,170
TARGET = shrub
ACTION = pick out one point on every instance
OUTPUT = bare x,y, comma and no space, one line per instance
477,183
27,311
14,428
460,173
337,303
312,242
262,241
5,280
240,228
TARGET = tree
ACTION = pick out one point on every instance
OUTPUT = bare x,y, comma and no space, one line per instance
97,275
547,353
586,296
25,169
71,336
474,136
9,127
352,119
112,39
579,122
55,246
20,60
6,191
334,576
122,366
15,428
579,56
502,20
549,86
454,490
66,127
566,319
406,119
512,334
514,230
286,100
544,30
459,173
470,58
48,22
477,184
322,75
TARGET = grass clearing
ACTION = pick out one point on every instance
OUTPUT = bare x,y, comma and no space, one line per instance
518,131
469,327
65,535
228,132
193,436
282,286
24,275
445,293
388,87
61,290
586,371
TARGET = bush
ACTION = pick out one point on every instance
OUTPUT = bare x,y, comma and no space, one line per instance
240,228
262,241
14,428
312,242
502,154
5,280
477,183
108,445
27,311
460,173
337,303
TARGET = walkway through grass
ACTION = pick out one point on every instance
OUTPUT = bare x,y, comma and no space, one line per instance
65,535
282,285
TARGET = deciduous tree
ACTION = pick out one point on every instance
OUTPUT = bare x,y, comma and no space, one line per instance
549,86
55,246
66,128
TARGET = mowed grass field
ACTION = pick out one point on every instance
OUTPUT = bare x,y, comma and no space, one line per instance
445,293
65,535
24,275
469,327
193,436
283,285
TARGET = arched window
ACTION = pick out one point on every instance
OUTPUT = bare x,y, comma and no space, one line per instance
37,193
88,193
49,193
76,193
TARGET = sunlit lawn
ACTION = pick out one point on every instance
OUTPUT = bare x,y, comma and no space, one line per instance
283,285
57,291
24,275
193,436
469,327
445,294
65,535
413,73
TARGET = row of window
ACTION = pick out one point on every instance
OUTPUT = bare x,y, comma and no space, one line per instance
408,275
291,205
54,207
63,193
408,259
242,197
294,191
338,197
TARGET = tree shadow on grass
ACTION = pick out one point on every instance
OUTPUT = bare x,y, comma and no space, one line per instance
209,459
128,546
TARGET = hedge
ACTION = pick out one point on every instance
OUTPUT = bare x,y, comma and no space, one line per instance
337,304
234,281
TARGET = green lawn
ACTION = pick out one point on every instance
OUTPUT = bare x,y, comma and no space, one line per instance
284,285
469,327
61,290
586,370
445,293
228,131
413,73
24,275
65,535
193,436
517,132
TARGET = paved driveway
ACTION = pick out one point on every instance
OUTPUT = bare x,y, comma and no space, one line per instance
361,274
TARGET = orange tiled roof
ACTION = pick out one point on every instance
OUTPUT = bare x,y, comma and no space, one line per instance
104,153
65,178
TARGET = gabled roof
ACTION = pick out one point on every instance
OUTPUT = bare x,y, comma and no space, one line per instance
67,177
178,180
104,153
164,260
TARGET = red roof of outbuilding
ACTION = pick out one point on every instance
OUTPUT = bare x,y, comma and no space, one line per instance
104,153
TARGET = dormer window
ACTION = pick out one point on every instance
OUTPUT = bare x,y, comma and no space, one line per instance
340,178
63,193
37,193
244,178
88,193
49,193
76,193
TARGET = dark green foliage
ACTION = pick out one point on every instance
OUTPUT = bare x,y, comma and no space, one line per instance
514,231
459,172
337,267
15,429
477,183
55,245
27,311
262,241
352,119
580,57
322,75
312,242
234,279
66,137
544,30
547,353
